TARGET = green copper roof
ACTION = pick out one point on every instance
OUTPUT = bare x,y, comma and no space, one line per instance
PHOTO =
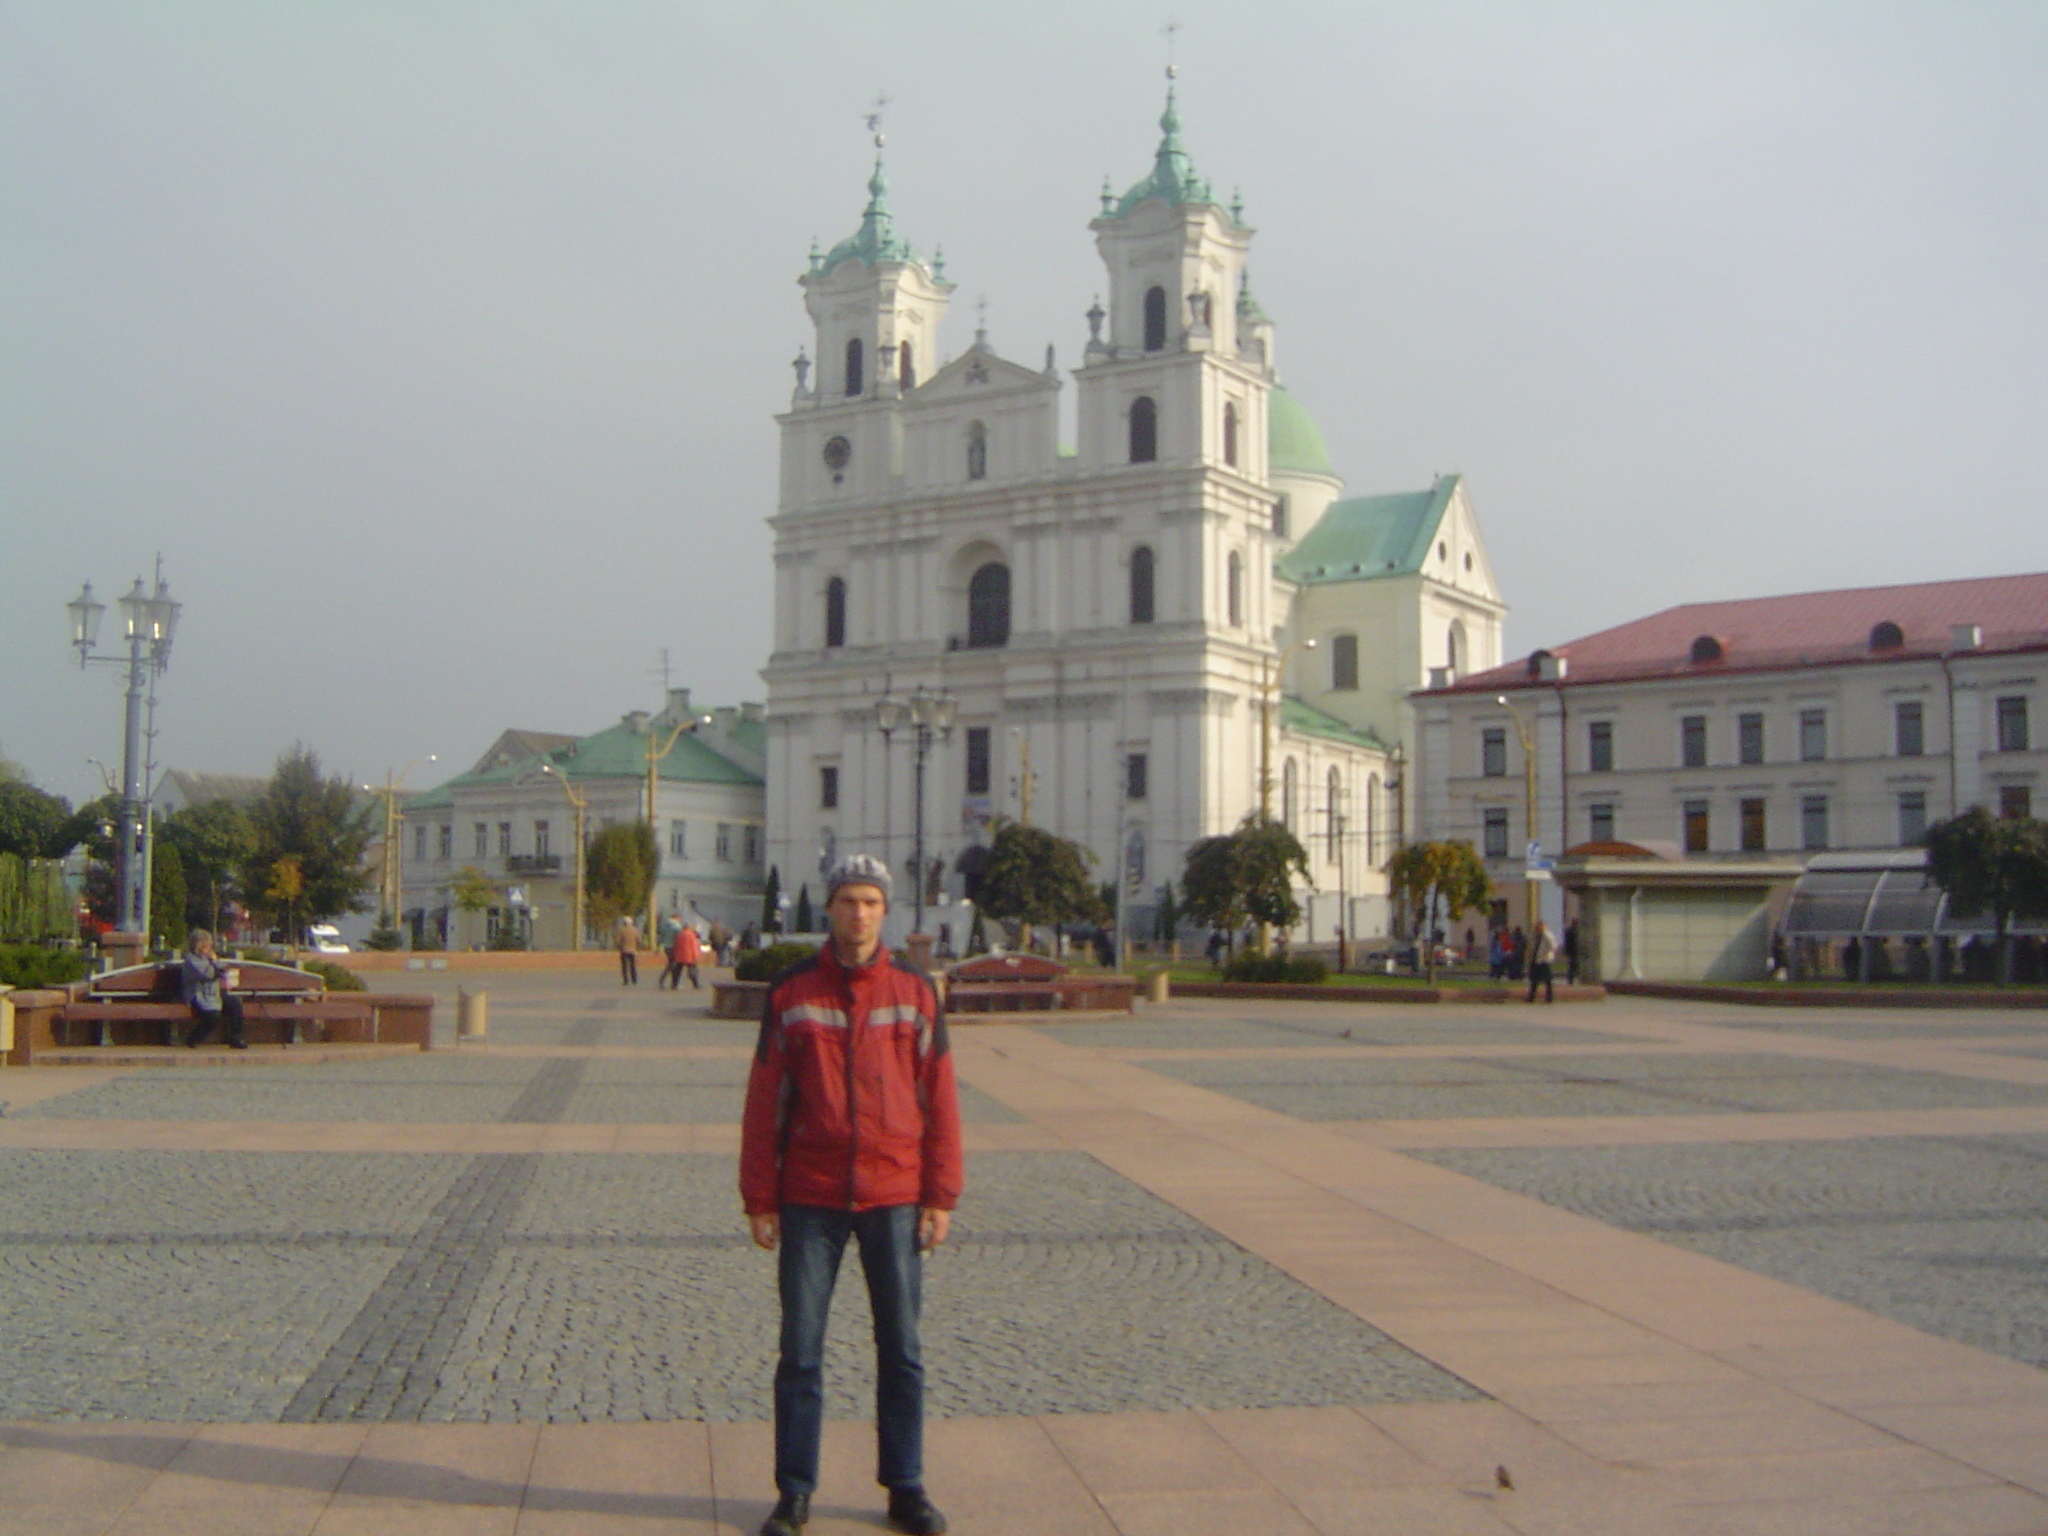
876,240
1173,180
1307,720
619,752
1294,444
1370,536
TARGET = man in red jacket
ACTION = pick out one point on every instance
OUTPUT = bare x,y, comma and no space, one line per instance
852,1129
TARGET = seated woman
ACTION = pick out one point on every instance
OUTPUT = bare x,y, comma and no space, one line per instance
204,979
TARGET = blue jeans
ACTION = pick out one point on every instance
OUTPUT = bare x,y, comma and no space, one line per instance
813,1238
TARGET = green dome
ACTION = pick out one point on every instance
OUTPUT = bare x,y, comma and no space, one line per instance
1294,444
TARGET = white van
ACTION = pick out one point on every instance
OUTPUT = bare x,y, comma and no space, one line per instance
325,939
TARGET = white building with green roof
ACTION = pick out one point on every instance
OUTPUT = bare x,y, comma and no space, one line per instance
1117,614
510,818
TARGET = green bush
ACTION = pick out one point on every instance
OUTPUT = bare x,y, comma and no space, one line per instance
33,965
1305,970
338,978
768,963
385,937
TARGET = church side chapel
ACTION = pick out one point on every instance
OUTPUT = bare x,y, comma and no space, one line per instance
1135,640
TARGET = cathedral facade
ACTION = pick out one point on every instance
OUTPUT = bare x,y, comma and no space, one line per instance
1134,640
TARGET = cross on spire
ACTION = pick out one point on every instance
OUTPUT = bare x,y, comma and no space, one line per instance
874,119
1172,33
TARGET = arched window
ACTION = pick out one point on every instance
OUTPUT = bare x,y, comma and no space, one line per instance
1333,814
1454,649
1144,430
1290,787
988,606
906,369
1706,648
1343,663
854,381
977,451
1886,636
835,612
1155,319
1141,585
1229,433
1233,591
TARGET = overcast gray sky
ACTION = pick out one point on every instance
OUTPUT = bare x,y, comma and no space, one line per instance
436,345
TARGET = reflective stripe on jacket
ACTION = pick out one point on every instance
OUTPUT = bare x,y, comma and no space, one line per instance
851,1102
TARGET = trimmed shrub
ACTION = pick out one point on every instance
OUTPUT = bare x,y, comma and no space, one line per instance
1302,970
338,978
33,965
770,962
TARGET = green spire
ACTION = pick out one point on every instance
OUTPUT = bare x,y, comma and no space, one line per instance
1174,179
1247,305
876,240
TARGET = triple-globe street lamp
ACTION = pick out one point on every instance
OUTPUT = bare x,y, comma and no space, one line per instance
149,619
929,717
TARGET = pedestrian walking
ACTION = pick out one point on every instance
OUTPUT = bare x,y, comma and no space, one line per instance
684,955
626,936
1542,956
851,1131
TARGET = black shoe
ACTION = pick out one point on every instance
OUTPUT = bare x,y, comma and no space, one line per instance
792,1511
911,1512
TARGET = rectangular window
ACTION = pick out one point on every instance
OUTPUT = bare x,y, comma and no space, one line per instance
1754,836
1695,826
1692,741
1134,776
540,839
1813,821
1749,737
2012,723
1600,822
1909,729
1912,817
977,759
725,842
1497,833
483,839
2016,801
1343,663
679,839
1600,746
1493,751
419,842
753,841
504,839
447,840
1813,737
828,787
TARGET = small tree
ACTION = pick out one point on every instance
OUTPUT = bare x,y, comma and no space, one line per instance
804,916
1036,876
619,873
286,888
167,894
1245,876
318,824
471,891
1422,875
1994,864
771,901
33,824
1166,924
214,841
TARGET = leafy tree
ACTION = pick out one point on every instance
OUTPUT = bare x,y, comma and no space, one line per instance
1245,876
317,825
1994,864
34,903
771,901
1422,875
804,916
471,891
34,824
1036,876
214,842
619,873
167,895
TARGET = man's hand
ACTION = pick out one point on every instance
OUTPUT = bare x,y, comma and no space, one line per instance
766,1228
932,1225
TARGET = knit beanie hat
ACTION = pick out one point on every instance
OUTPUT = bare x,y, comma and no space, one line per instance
860,869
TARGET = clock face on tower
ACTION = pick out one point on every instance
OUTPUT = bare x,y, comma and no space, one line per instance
837,452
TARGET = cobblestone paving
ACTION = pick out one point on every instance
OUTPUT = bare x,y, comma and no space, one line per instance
1949,1236
1367,1024
1900,1024
1365,1089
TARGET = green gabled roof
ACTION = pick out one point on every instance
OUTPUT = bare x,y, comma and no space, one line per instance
1364,537
618,752
1307,720
1294,443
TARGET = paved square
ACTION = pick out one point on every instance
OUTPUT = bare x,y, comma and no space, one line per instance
1222,1267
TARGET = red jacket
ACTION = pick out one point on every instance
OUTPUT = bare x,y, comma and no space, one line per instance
851,1101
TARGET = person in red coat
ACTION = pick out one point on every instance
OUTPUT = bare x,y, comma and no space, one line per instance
851,1130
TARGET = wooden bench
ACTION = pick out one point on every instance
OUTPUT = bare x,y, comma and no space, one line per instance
144,1005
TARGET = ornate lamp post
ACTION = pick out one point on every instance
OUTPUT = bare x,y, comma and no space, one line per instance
654,756
930,717
392,890
581,805
148,620
1269,698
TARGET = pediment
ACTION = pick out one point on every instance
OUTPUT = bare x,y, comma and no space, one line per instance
979,373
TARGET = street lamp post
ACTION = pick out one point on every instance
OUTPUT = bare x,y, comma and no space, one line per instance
654,757
580,804
149,619
393,874
1269,697
930,717
1528,798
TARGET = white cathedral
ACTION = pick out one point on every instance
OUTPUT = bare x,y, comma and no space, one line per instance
1134,639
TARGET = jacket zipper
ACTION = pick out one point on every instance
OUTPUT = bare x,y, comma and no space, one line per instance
852,1118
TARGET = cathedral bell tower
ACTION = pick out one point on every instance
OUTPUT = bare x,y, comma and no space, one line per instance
876,307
